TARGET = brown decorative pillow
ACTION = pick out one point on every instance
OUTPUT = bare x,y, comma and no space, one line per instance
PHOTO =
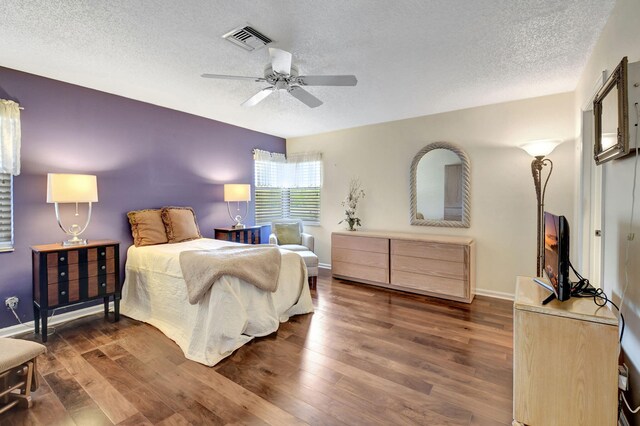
147,227
180,224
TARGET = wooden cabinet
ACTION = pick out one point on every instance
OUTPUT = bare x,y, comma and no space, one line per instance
248,235
565,369
440,266
361,258
65,276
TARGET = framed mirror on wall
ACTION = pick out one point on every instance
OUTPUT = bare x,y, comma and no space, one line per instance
440,186
611,116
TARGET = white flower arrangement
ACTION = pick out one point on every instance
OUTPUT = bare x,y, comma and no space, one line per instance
350,204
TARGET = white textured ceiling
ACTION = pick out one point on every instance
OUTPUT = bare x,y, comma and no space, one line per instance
411,57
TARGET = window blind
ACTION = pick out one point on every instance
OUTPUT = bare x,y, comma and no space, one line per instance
287,188
6,214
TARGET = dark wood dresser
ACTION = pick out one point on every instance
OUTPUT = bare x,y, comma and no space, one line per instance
65,276
248,235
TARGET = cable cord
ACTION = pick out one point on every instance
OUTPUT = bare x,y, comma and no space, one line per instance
583,288
50,330
18,318
633,411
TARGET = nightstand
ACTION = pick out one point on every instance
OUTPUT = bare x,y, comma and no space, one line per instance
64,276
248,235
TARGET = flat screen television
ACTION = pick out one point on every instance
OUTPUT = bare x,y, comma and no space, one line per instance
556,258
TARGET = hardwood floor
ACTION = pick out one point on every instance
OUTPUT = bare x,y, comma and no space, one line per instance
366,356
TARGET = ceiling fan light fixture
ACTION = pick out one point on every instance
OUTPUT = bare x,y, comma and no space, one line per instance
282,75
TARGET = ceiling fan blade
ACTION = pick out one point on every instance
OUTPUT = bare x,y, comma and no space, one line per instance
280,61
327,80
232,77
255,99
305,97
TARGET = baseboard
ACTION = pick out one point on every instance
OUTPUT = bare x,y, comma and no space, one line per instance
27,327
479,291
494,294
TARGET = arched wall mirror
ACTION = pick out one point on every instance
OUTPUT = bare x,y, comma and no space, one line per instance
440,186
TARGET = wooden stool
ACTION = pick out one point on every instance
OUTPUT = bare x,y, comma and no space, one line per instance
18,372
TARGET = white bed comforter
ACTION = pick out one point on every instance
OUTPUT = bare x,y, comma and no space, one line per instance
231,314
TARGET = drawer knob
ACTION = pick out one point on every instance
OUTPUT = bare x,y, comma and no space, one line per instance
102,253
62,259
62,293
62,274
103,267
103,284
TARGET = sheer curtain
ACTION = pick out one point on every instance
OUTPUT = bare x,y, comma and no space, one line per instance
269,168
287,187
9,137
304,170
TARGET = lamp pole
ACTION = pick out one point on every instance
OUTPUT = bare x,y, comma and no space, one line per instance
537,165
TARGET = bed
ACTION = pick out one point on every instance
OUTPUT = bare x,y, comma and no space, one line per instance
231,314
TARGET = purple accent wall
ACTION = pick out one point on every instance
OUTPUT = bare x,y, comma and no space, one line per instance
145,156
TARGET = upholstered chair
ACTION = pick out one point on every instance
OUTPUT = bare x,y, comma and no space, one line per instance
289,234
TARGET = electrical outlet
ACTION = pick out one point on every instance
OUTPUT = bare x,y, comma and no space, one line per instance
11,302
623,377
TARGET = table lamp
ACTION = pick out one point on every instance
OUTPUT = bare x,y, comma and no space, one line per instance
72,188
237,192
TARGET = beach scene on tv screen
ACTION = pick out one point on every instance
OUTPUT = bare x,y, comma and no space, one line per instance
551,225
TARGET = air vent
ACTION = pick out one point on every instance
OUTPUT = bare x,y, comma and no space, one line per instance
248,38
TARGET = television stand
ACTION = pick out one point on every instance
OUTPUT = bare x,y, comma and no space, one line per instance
565,360
551,297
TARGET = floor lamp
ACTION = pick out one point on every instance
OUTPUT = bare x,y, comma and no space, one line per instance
539,150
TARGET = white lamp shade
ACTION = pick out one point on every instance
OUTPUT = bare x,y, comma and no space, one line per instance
237,192
541,148
71,188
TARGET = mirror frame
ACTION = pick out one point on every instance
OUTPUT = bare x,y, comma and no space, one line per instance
618,79
466,188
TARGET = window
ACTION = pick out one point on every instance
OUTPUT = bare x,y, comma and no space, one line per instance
287,188
9,167
6,228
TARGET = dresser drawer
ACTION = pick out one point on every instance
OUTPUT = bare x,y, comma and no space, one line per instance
366,258
63,258
377,245
438,268
360,272
429,250
430,283
81,255
63,293
100,253
61,272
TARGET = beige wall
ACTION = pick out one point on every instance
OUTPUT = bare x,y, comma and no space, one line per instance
619,38
503,206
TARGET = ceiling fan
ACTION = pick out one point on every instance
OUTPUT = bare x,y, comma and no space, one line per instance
280,74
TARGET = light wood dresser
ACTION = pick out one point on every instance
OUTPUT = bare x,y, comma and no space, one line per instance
565,369
435,265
